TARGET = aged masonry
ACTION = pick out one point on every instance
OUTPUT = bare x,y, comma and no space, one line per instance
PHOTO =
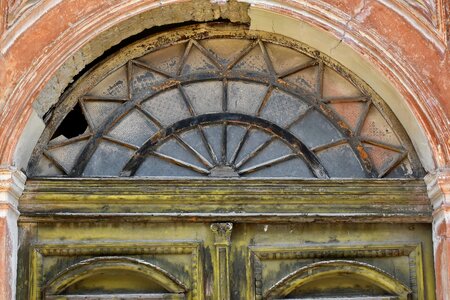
236,149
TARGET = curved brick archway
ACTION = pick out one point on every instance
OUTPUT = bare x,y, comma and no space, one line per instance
406,47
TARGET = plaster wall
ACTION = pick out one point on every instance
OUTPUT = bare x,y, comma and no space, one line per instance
386,43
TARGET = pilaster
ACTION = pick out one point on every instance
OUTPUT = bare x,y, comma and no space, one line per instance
12,183
438,185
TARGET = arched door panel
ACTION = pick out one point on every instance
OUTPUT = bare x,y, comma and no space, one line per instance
114,278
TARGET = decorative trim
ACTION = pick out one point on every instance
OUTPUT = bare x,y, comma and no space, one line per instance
12,184
438,187
70,275
221,261
222,233
192,248
258,254
318,269
17,8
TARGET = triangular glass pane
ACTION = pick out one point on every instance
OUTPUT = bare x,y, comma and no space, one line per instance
336,86
197,62
47,168
214,136
99,111
381,158
349,112
284,59
341,162
174,149
252,62
154,166
134,128
254,139
295,167
167,59
226,50
115,85
282,108
305,79
108,160
67,155
315,130
403,170
274,150
234,137
143,80
376,128
194,139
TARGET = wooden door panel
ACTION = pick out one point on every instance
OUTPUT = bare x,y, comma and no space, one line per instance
299,260
226,261
69,261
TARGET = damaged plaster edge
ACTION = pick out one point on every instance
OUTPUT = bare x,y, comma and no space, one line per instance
438,188
264,20
170,14
28,140
12,184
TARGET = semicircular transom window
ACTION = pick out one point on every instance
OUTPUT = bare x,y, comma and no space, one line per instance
222,102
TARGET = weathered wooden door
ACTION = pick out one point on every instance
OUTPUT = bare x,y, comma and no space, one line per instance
215,162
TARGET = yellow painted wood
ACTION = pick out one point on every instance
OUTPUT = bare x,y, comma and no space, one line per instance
258,256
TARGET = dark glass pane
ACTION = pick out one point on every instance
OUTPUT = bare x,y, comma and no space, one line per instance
245,97
108,160
341,162
134,129
315,130
167,107
174,149
67,155
274,150
205,97
154,166
282,108
291,168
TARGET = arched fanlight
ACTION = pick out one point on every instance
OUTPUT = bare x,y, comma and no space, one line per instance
222,101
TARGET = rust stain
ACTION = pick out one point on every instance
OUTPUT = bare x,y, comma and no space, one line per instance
167,84
362,152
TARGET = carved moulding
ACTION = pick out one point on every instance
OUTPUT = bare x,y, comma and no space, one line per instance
338,255
119,255
17,8
430,14
81,270
222,242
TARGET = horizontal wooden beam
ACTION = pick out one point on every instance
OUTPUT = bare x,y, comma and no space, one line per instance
227,199
117,296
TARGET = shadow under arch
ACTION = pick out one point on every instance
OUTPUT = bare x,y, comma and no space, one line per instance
88,267
319,270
